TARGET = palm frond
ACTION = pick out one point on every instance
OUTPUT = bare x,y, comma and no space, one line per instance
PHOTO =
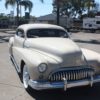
42,1
10,2
27,4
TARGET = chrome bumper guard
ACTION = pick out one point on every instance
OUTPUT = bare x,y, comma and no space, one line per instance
64,84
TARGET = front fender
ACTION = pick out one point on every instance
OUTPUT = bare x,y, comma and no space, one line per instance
31,58
93,58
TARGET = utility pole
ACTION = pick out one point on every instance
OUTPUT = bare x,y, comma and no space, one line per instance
17,20
58,6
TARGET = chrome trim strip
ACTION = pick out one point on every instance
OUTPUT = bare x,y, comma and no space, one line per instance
15,64
64,84
72,68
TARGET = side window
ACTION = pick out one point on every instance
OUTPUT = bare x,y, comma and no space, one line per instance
20,33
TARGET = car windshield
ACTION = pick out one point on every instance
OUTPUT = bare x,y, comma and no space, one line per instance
32,33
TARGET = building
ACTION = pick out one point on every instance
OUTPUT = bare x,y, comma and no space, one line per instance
51,19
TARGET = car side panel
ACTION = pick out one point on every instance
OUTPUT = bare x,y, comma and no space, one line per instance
18,41
31,59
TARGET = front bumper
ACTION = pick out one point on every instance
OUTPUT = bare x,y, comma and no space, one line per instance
64,84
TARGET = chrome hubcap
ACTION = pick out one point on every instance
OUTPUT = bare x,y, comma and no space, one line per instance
25,77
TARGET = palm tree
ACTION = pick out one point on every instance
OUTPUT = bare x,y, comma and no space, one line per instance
13,3
10,2
26,3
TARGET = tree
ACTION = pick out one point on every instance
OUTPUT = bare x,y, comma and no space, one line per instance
26,3
90,5
12,3
73,7
57,7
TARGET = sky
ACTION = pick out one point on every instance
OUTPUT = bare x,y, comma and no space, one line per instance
39,9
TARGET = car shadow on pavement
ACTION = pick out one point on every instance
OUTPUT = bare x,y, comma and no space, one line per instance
81,93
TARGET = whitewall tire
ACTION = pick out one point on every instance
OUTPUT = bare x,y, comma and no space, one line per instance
25,77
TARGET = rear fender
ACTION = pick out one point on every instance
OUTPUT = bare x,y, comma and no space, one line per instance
11,42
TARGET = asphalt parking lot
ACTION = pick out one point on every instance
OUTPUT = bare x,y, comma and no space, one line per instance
12,89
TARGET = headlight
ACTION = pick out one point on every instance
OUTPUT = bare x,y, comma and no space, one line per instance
42,67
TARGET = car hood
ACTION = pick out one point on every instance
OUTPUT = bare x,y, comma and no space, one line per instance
63,50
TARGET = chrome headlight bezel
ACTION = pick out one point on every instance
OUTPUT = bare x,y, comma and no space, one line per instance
42,67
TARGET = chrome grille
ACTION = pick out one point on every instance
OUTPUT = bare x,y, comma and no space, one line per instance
71,74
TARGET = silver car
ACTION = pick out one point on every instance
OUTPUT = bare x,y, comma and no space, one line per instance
46,58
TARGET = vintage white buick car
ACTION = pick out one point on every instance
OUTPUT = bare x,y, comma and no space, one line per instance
46,58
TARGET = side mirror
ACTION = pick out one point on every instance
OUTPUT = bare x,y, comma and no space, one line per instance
20,34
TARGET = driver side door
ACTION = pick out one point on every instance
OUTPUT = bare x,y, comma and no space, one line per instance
19,38
18,44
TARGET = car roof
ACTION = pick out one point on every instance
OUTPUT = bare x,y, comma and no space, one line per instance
26,27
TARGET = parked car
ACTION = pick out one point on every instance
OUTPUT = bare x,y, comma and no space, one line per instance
46,58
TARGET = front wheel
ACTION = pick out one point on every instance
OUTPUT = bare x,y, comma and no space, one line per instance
26,77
